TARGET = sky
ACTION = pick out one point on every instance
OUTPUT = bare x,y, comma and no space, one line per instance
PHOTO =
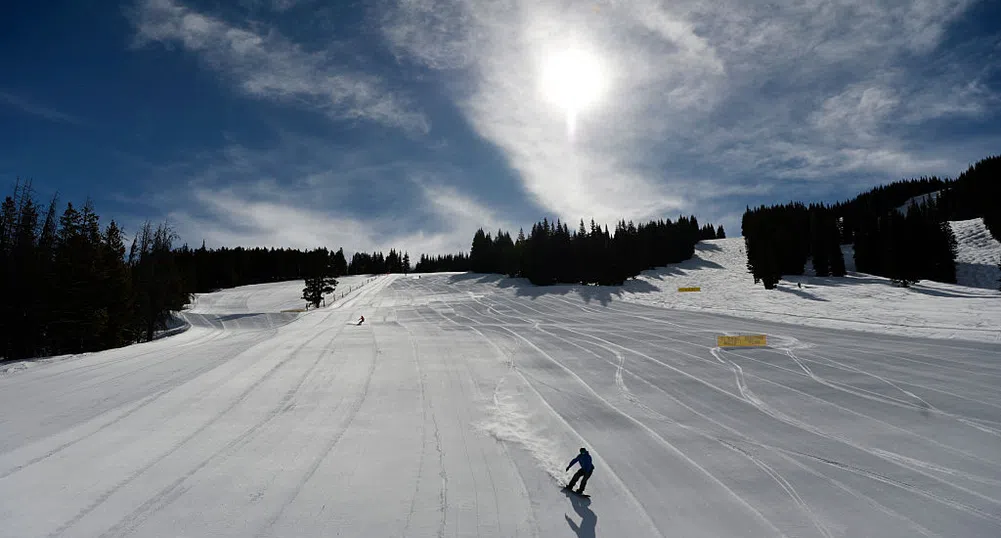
409,124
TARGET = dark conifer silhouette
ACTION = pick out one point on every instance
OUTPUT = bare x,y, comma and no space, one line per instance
158,289
317,286
899,230
552,253
442,263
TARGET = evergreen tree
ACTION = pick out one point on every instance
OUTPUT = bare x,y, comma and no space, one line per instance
720,233
45,275
157,284
393,262
835,256
551,253
480,252
447,262
819,247
340,263
940,248
316,287
901,264
22,252
115,290
72,313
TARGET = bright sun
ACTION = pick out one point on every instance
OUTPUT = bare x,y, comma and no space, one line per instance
572,79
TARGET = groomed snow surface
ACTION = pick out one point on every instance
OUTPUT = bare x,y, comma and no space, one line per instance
970,310
454,409
978,255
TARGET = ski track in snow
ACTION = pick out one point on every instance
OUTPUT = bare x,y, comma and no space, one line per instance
454,409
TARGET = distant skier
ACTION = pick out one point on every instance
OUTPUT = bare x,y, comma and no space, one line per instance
586,468
361,320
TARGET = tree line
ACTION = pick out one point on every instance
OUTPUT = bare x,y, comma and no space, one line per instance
899,231
204,270
71,286
552,253
443,263
363,263
779,239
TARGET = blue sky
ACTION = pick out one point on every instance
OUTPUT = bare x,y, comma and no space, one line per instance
410,123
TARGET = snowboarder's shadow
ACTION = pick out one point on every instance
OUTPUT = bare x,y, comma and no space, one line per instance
588,518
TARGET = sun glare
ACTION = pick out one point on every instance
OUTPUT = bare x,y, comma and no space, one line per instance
572,79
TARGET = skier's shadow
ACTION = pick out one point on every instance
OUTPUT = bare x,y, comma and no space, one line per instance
588,519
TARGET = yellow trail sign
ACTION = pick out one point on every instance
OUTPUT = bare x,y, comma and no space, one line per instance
690,289
744,340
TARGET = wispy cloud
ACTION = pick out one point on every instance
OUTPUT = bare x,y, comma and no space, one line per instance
299,193
35,109
240,216
267,65
706,105
702,95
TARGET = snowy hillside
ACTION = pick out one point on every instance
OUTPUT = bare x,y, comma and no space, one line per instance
263,298
254,307
858,301
455,409
918,200
978,254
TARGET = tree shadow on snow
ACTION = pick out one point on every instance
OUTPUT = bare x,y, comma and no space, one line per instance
684,268
945,293
708,247
479,278
854,279
862,279
588,521
231,317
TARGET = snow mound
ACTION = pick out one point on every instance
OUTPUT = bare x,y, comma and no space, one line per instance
978,254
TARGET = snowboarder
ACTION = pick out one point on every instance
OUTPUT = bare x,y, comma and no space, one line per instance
361,320
586,468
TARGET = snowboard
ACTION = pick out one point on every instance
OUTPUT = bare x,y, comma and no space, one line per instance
585,495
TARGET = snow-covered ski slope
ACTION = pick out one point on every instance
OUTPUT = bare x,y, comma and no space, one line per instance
259,298
977,256
453,410
859,301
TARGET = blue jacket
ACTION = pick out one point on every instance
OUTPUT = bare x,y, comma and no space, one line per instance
584,459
